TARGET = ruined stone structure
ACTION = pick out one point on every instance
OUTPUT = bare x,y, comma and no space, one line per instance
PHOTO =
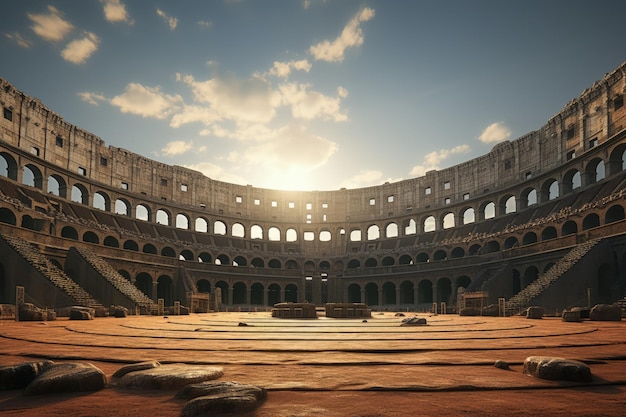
85,223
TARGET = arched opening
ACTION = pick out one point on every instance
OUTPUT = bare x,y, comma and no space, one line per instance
491,247
238,230
111,242
8,166
388,261
273,234
440,255
165,290
205,257
425,292
371,294
457,252
614,214
203,286
142,212
186,255
240,261
448,221
389,293
80,194
274,263
530,275
590,221
354,293
291,293
222,260
202,225
223,286
182,221
354,263
101,201
391,230
143,282
131,245
258,263
291,235
444,290
273,294
373,232
570,227
122,207
240,293
429,224
529,238
91,237
474,249
69,233
168,252
7,216
548,233
31,176
469,216
163,217
256,294
57,186
371,263
511,242
405,260
150,248
407,293
256,232
219,227
422,258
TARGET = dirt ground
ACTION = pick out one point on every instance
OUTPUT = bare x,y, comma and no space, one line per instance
333,367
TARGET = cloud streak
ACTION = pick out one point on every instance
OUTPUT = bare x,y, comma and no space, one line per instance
351,36
50,26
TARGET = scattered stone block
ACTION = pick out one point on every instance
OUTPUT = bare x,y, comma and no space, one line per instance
211,398
414,321
169,377
135,367
118,311
29,312
534,312
470,311
583,311
500,364
68,377
82,313
606,312
19,376
399,314
556,369
571,316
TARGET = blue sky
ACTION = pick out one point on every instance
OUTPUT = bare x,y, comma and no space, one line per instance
309,94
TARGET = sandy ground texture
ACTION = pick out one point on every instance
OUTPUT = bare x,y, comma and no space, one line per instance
333,367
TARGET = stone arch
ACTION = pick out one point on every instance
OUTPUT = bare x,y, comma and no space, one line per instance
444,290
407,293
528,197
613,214
425,292
163,217
273,294
142,212
388,261
354,263
150,248
168,252
292,264
474,249
8,166
549,190
57,186
570,227
101,201
529,238
371,263
440,255
468,215
203,286
411,227
457,252
510,242
549,233
165,289
530,275
590,221
31,176
143,281
373,232
69,232
186,255
219,228
201,225
274,263
7,216
422,258
80,194
257,292
371,294
240,261
391,230
405,260
122,206
258,263
223,286
131,245
617,159
355,235
389,293
291,235
354,293
256,232
111,242
240,293
291,293
91,237
325,235
508,203
273,234
429,224
491,247
222,259
182,221
594,171
448,221
463,281
238,230
571,180
205,257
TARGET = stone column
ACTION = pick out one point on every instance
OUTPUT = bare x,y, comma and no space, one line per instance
266,293
397,297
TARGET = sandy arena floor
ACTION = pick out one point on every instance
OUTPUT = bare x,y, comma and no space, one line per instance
334,367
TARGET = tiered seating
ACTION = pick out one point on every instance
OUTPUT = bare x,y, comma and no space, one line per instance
50,271
114,278
523,298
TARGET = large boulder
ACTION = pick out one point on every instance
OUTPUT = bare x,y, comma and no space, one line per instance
169,377
211,398
606,312
534,312
68,377
118,311
19,376
546,367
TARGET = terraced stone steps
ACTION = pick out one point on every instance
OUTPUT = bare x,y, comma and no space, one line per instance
523,299
49,270
120,283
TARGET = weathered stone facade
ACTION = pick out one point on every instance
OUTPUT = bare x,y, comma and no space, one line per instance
498,221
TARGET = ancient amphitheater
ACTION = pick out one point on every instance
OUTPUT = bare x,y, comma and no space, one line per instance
538,221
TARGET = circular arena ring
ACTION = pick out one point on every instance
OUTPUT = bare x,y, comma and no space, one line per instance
450,354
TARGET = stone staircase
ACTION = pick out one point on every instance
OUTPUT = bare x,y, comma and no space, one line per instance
523,299
120,283
50,271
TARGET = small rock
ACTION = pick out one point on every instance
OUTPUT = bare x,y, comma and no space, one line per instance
364,321
399,314
571,316
500,364
242,324
414,321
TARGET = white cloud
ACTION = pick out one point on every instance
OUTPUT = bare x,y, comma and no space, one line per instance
79,50
495,132
216,172
307,104
283,69
50,26
19,39
434,159
205,23
306,4
351,36
92,98
242,101
171,21
115,11
367,178
146,101
191,114
177,147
